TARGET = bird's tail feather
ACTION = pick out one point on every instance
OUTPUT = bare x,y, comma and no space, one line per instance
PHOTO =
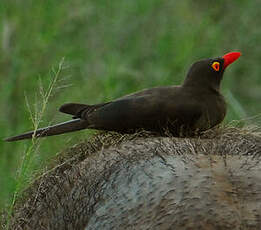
73,108
65,127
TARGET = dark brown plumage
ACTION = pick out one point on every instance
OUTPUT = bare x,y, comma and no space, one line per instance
194,106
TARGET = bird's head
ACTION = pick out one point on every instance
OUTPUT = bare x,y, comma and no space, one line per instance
208,73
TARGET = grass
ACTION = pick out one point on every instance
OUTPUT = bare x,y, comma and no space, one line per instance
111,49
25,172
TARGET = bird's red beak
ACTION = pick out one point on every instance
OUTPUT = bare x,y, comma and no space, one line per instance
230,58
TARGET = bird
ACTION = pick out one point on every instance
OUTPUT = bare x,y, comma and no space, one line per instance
184,110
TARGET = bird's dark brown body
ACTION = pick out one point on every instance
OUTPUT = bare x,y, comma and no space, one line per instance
195,106
177,108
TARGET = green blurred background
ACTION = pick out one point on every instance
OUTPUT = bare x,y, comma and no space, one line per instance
112,48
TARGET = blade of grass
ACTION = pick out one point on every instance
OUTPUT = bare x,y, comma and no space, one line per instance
36,118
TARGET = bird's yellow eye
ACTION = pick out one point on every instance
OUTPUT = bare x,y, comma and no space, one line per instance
215,65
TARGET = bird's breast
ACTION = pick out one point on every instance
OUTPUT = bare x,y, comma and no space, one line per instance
213,112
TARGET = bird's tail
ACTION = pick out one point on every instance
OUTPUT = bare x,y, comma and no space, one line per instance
65,127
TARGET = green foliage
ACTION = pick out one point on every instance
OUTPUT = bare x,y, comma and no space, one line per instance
112,48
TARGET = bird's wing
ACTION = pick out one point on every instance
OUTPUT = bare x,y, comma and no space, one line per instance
147,111
76,108
155,91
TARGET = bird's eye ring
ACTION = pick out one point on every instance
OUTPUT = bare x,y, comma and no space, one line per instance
215,65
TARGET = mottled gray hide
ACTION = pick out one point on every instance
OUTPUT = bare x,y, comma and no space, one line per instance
147,182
